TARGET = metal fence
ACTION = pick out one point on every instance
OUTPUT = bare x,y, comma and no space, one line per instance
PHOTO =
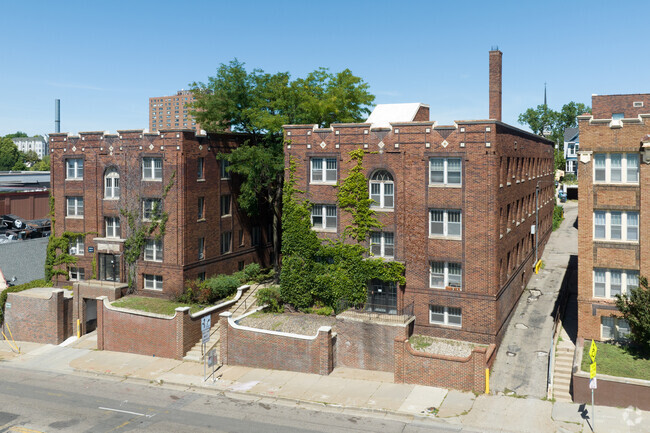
390,312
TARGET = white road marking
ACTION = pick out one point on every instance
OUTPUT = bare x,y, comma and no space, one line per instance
126,411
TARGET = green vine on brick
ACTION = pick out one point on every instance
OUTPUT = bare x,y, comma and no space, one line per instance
134,243
58,254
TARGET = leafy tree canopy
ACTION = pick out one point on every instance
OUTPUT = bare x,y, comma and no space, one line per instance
16,135
635,308
9,155
547,122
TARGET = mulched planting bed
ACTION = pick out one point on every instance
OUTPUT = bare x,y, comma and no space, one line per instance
295,323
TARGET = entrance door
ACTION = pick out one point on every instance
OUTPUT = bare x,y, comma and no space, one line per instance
109,267
91,314
382,297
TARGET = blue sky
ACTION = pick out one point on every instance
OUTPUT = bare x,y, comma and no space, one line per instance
105,59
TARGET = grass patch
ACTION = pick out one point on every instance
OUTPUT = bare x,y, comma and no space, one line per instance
154,305
419,342
617,361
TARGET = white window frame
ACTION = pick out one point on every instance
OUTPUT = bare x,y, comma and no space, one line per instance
148,208
112,227
384,198
629,280
446,266
153,282
624,168
328,222
382,244
77,246
77,274
152,168
446,312
620,328
321,170
226,241
74,169
624,226
112,191
74,207
445,222
153,250
445,171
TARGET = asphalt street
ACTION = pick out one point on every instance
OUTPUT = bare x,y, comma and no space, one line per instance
40,401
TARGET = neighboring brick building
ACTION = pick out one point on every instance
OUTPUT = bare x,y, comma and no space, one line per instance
166,112
614,210
96,176
456,202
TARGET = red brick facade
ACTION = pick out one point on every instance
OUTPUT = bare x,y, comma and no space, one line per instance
601,135
40,319
131,155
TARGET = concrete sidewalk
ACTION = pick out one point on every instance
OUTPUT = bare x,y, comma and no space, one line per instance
345,390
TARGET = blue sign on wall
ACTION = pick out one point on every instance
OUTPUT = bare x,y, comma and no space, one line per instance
91,249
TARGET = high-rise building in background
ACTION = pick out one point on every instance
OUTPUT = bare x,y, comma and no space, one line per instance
167,112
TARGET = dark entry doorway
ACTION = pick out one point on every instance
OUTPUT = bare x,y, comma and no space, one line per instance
382,297
109,267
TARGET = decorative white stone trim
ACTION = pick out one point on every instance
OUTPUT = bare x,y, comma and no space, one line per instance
585,156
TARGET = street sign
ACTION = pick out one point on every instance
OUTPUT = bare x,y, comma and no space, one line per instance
206,323
592,370
206,336
593,384
592,351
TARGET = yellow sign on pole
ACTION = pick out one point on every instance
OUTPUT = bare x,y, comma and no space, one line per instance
592,370
592,351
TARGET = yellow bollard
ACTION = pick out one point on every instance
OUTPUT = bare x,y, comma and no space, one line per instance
487,380
78,328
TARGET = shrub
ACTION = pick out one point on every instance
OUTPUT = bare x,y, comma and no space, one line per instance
636,311
16,289
222,286
252,272
272,297
558,217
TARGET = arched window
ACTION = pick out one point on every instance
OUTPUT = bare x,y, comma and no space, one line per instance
111,184
382,190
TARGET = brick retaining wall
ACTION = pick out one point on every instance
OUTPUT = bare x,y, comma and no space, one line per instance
39,319
467,374
261,348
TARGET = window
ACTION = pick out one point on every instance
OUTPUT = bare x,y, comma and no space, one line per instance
225,173
153,251
611,282
112,184
199,169
323,217
616,168
240,265
445,274
77,274
382,244
75,206
74,168
201,248
256,235
201,276
382,297
616,226
225,205
382,190
445,171
226,242
153,282
241,238
201,206
445,223
614,328
151,208
77,246
112,227
152,168
323,170
449,316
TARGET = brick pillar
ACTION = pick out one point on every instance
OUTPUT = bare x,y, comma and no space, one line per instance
181,316
224,329
57,308
326,357
100,323
398,349
495,84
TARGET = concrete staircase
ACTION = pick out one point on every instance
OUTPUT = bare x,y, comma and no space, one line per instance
246,303
562,370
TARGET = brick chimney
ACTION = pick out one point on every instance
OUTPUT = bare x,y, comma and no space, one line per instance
495,84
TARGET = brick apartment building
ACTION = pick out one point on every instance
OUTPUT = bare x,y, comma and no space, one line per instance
457,204
614,228
167,112
96,175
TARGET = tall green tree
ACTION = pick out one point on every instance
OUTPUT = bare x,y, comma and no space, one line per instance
9,155
259,103
635,308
